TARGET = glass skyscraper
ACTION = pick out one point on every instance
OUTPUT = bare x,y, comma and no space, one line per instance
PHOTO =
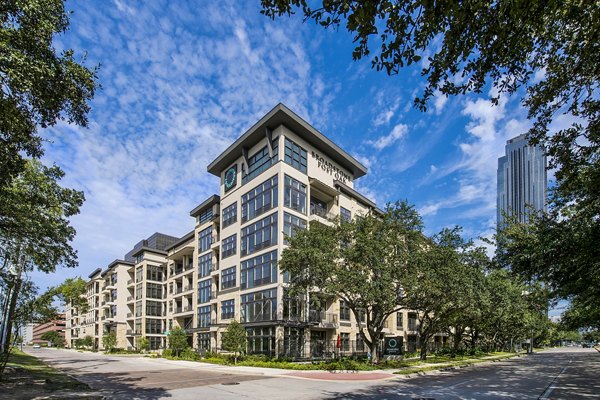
521,180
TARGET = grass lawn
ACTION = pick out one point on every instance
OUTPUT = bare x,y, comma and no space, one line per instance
26,377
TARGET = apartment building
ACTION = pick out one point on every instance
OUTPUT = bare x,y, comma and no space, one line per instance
277,177
58,325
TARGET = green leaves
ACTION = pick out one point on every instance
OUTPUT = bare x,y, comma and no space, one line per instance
234,338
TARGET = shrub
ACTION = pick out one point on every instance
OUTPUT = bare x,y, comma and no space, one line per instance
167,353
189,354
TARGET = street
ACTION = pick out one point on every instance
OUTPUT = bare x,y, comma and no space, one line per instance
567,373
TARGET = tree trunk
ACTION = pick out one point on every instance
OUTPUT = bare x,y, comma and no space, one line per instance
373,350
456,339
423,340
11,312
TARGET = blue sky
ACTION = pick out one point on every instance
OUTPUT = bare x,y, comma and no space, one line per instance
182,80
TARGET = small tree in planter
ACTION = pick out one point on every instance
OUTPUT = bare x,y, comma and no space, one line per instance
88,341
143,344
234,339
178,341
109,341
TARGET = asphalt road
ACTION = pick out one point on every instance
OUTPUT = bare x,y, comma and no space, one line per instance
570,373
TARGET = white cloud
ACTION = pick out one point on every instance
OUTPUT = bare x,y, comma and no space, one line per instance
397,133
385,116
439,101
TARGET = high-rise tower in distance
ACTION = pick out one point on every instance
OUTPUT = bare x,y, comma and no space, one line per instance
522,186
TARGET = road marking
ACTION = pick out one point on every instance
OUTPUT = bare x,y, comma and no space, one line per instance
546,394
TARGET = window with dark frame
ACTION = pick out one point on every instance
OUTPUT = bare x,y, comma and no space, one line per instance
344,311
291,224
229,215
228,278
260,199
295,155
228,309
258,271
294,195
205,265
204,288
345,215
259,162
259,235
205,239
229,246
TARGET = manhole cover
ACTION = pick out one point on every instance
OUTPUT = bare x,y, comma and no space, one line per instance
230,383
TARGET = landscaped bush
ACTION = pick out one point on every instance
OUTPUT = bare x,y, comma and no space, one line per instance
167,353
189,354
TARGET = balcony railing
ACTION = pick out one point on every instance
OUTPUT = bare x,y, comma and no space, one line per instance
129,315
325,320
316,209
129,298
130,282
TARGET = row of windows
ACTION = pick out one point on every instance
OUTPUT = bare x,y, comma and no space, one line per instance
259,162
291,224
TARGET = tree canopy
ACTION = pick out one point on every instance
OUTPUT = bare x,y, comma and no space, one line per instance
545,52
234,339
39,85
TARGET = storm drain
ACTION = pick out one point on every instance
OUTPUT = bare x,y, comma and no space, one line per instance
230,383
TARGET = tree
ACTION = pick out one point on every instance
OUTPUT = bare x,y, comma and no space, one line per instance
363,262
544,51
39,86
88,341
561,252
42,242
178,341
55,338
143,344
109,341
234,339
442,284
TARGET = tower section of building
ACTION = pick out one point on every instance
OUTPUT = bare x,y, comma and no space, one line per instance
522,180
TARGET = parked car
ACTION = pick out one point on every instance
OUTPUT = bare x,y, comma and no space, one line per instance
37,346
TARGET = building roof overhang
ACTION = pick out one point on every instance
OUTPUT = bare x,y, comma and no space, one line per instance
281,115
188,237
149,249
212,200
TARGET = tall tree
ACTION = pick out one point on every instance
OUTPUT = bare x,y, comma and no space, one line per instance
109,341
42,242
39,85
178,341
363,262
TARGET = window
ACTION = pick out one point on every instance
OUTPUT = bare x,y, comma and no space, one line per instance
345,339
139,291
260,199
412,321
261,340
360,343
345,215
154,290
204,341
229,215
344,311
155,342
154,308
139,274
228,246
295,155
138,326
205,216
294,194
259,235
259,306
228,278
204,316
291,224
139,258
205,239
399,321
259,271
259,162
154,326
227,309
204,291
154,273
113,279
113,295
204,265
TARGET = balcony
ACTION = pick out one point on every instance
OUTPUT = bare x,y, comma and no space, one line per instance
130,282
129,299
129,332
323,319
129,315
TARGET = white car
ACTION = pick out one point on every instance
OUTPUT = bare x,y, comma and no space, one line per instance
37,346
